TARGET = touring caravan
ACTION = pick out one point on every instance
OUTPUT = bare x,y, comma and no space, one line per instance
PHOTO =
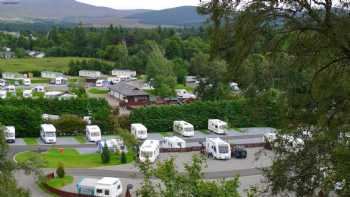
3,94
2,82
217,148
27,94
139,131
10,134
48,133
173,142
93,133
27,82
149,150
11,89
184,128
217,126
39,89
87,186
108,187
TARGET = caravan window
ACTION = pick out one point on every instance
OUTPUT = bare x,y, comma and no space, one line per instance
99,191
188,129
94,134
106,192
118,187
223,149
50,134
223,127
9,134
146,154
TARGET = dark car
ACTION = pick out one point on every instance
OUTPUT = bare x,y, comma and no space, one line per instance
239,152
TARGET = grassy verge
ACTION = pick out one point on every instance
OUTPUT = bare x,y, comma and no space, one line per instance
40,80
81,139
71,158
181,86
30,141
97,91
167,134
204,131
60,182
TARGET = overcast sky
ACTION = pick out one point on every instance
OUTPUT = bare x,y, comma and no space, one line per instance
141,4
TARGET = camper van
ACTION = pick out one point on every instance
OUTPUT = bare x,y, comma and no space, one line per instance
39,89
184,128
184,94
3,94
217,148
27,82
11,89
2,83
108,187
139,131
27,94
217,126
48,133
86,186
93,133
113,145
173,142
149,150
10,134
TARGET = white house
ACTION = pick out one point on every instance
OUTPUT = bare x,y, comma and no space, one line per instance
218,148
124,73
90,74
12,76
184,128
51,75
149,150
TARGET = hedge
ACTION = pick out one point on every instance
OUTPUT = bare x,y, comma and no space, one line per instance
25,114
239,113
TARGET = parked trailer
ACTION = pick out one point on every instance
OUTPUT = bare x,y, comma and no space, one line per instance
93,133
149,150
10,134
3,94
48,133
184,128
173,142
108,187
217,148
217,126
87,186
139,131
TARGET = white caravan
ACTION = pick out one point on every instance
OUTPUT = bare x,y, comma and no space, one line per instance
149,150
99,83
139,131
217,148
11,89
184,94
217,126
87,119
184,128
39,89
108,187
2,82
27,94
173,142
10,134
87,186
50,117
3,94
93,133
48,133
27,82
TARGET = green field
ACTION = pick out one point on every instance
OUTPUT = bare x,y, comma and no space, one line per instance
30,141
70,158
81,139
60,182
98,91
59,64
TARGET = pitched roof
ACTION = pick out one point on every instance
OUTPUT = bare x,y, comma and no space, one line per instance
128,90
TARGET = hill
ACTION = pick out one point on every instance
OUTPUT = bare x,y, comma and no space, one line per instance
180,16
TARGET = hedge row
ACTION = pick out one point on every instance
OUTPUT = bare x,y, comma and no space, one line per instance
25,114
239,113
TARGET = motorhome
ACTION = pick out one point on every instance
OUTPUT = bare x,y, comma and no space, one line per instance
2,82
10,134
39,89
217,148
93,133
27,82
184,128
173,142
113,145
149,150
99,83
108,187
11,89
139,131
27,94
3,94
217,126
48,133
184,94
86,186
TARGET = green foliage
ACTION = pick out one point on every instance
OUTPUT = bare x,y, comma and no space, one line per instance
76,66
60,171
105,155
69,125
123,158
264,111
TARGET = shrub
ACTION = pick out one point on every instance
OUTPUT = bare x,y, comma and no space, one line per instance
105,155
123,158
69,125
60,170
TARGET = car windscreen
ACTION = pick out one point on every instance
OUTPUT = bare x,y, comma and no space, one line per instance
223,149
146,154
50,134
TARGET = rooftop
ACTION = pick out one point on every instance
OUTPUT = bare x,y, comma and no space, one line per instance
108,181
128,90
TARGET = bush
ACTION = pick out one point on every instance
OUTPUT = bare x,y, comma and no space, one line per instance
60,170
69,125
105,155
123,158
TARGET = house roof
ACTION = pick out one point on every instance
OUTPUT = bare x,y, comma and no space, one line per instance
128,90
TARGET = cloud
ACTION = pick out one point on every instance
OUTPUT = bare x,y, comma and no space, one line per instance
141,4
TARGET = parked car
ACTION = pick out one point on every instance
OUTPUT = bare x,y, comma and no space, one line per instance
239,152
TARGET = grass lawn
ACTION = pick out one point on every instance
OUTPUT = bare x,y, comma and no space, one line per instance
81,139
71,158
166,134
59,64
205,131
98,91
30,141
40,80
60,182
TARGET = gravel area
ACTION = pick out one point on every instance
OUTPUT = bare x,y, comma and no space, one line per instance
19,141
